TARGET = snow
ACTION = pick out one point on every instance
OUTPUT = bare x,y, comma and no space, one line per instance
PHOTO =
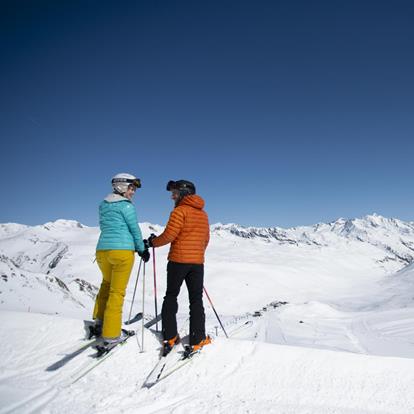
336,335
230,376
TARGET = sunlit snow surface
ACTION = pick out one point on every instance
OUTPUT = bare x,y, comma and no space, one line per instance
343,343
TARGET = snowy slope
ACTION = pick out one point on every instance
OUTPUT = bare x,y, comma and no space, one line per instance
345,286
21,288
48,258
399,288
231,376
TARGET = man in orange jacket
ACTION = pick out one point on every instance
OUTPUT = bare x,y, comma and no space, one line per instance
188,231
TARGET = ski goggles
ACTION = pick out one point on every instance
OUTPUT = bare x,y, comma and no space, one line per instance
133,181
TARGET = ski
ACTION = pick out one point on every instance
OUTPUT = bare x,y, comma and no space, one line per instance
136,318
91,342
101,355
182,359
67,358
102,349
153,321
164,361
160,366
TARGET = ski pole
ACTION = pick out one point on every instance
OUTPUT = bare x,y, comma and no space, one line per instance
211,303
143,307
135,289
155,287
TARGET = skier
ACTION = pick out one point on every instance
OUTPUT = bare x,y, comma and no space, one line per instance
120,237
188,232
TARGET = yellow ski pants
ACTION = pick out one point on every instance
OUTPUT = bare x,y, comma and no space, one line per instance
116,266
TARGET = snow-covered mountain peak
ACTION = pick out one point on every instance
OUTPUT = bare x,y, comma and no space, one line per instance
263,233
395,237
375,219
11,229
63,224
372,227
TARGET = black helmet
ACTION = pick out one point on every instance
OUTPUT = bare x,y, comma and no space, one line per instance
183,186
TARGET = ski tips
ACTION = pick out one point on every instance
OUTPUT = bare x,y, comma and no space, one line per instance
136,318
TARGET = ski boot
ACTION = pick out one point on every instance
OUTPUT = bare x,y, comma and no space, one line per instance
168,345
190,350
95,330
109,343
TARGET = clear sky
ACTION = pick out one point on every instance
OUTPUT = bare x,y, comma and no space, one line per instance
282,113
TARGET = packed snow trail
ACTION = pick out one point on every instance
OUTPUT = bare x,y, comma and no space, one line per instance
230,376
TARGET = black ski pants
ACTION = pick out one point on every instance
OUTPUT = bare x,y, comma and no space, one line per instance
193,274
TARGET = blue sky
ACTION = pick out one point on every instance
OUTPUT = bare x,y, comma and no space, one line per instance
282,113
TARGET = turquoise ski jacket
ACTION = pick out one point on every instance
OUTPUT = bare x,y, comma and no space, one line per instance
119,225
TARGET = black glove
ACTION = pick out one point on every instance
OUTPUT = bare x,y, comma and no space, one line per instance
145,255
150,239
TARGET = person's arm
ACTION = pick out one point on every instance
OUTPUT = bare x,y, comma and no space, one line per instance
130,217
172,230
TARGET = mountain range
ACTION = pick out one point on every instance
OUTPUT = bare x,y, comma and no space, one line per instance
56,259
320,319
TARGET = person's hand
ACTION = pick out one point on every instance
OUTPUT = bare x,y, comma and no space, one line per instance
145,255
150,239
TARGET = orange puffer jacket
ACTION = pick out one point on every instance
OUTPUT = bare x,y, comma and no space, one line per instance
187,230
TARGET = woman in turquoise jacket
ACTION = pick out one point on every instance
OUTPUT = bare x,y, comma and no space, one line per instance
120,237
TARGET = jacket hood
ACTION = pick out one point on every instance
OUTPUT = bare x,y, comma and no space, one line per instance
113,198
193,201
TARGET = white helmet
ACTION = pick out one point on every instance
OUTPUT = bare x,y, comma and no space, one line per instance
121,182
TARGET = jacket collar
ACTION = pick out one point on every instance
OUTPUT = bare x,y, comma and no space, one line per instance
113,198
